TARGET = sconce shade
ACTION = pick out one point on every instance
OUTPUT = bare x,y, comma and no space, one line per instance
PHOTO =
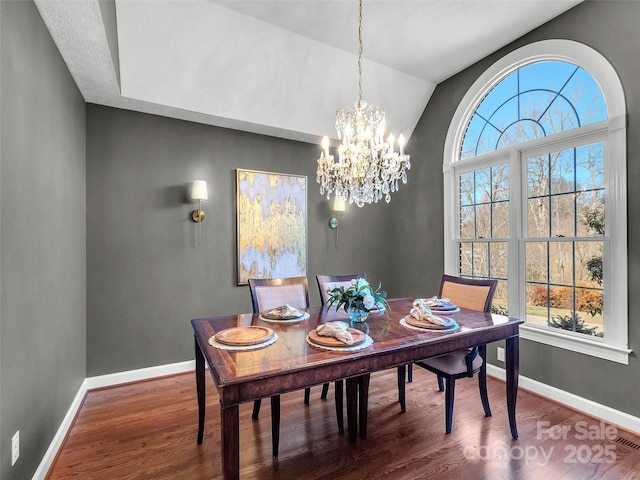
338,204
199,190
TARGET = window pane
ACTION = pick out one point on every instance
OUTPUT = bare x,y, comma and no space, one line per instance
588,261
488,139
538,176
561,263
538,222
483,185
500,182
466,258
585,94
468,222
501,92
563,215
589,309
562,172
500,219
537,311
521,131
590,207
536,262
505,115
471,137
560,116
466,188
480,216
500,299
590,166
480,259
498,267
483,221
549,75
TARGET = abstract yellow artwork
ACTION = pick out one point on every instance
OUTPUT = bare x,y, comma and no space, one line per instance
271,225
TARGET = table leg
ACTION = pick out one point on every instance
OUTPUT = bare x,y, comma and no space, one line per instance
512,357
363,403
200,389
352,408
230,436
275,424
339,396
401,387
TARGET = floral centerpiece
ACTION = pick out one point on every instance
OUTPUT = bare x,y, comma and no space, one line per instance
358,299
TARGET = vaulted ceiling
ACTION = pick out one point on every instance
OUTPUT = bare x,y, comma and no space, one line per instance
279,67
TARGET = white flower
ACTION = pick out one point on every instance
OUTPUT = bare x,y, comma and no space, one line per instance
360,282
368,301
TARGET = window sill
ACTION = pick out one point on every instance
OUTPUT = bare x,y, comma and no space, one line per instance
586,346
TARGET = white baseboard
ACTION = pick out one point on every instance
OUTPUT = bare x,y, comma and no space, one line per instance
608,414
99,382
56,443
140,374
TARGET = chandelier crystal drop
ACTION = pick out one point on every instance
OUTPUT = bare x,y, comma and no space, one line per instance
367,168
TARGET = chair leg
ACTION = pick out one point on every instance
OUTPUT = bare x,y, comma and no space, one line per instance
440,383
339,402
410,372
401,387
275,424
449,393
256,409
482,384
325,390
307,394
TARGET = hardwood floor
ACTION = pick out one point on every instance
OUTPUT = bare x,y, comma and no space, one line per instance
147,430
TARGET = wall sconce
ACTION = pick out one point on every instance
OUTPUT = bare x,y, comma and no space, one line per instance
337,206
198,192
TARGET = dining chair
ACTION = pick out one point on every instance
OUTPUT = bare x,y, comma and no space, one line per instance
325,282
472,294
265,295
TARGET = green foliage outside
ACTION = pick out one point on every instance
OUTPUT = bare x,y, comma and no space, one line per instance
573,323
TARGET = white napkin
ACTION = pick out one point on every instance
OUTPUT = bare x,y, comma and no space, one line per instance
285,311
337,330
421,311
434,301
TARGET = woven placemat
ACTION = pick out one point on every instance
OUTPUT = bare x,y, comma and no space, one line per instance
239,348
404,323
368,341
292,320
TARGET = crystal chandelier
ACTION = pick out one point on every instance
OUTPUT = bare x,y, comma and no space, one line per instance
367,168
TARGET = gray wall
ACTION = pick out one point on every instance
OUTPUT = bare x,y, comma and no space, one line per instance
611,29
146,275
43,238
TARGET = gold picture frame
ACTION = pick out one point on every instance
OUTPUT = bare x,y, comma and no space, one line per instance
271,225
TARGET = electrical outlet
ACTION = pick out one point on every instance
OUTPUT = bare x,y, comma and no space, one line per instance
500,353
15,448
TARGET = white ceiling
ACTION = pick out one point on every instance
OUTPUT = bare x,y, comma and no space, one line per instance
279,67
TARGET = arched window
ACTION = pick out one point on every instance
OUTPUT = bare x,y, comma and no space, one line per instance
536,100
535,194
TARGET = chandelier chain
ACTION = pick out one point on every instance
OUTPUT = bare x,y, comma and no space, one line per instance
360,52
367,168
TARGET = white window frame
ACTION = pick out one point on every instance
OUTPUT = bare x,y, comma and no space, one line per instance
614,345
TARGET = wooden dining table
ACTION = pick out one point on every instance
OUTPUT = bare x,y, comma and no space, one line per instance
293,364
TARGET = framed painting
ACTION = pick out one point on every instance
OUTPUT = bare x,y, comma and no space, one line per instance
271,225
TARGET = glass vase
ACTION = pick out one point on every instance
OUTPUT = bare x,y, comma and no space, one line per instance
357,315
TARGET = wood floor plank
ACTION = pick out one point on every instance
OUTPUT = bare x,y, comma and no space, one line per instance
147,430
